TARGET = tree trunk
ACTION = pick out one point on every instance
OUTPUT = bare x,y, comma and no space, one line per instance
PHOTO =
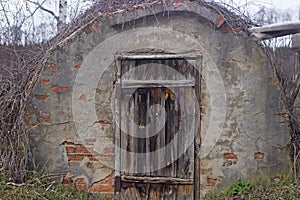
62,18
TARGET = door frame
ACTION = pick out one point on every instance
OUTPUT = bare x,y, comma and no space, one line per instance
197,140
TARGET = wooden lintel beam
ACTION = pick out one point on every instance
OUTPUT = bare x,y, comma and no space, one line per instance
157,180
156,83
275,30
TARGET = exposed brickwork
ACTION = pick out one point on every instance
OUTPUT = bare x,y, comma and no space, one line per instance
220,22
41,97
77,66
95,27
232,30
211,186
83,97
273,80
67,181
76,153
213,182
52,66
98,90
87,30
32,126
230,156
80,184
104,122
45,82
230,159
102,188
105,186
89,165
60,90
44,120
259,155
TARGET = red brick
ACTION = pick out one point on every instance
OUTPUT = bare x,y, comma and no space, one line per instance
44,120
101,188
77,66
41,97
230,156
80,149
108,150
98,90
87,30
52,66
259,155
231,30
72,163
45,82
273,80
211,186
81,187
214,180
104,122
220,22
32,126
70,41
92,158
80,181
75,157
95,27
44,114
202,171
83,97
105,181
89,165
68,143
67,181
60,90
70,149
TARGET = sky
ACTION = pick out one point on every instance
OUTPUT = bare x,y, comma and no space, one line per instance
286,4
292,5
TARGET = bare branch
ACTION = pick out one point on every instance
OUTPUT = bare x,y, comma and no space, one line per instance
40,6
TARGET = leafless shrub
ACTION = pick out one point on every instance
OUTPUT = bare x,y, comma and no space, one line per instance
18,70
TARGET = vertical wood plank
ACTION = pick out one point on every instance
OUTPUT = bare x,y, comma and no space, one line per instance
197,141
148,150
155,138
118,130
161,137
142,115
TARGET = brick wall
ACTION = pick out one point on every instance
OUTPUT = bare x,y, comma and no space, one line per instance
76,153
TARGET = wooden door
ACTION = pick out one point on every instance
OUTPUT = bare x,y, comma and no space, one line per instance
156,106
